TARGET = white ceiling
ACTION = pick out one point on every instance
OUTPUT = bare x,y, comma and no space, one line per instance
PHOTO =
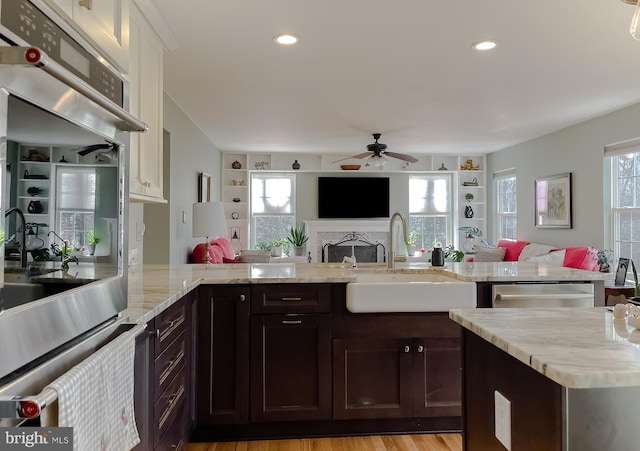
404,68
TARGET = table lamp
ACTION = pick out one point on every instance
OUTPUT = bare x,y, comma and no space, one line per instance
208,221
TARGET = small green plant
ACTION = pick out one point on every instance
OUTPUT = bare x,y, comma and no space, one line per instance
93,239
635,279
453,254
412,239
297,236
262,246
469,197
470,230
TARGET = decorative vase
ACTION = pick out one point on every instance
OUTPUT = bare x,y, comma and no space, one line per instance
92,248
35,207
276,251
468,212
236,165
295,165
298,251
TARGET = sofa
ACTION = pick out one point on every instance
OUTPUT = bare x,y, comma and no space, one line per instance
584,257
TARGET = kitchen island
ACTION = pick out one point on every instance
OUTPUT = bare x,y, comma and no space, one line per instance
552,379
273,350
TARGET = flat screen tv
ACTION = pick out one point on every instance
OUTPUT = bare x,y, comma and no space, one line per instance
353,197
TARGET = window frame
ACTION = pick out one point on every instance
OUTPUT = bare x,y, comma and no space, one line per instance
254,216
449,214
497,200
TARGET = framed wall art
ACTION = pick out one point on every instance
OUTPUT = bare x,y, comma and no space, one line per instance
553,201
204,187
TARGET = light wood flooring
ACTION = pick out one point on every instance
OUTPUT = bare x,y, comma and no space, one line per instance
417,442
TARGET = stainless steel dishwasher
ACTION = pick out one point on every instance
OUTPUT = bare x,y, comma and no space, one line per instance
532,295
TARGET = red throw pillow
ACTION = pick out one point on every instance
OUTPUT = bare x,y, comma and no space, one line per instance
581,258
225,246
199,251
514,248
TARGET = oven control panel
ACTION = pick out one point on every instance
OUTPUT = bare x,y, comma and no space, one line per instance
24,20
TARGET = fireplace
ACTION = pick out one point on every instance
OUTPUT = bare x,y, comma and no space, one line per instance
369,239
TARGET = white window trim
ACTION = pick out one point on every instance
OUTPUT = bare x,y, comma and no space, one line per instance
497,176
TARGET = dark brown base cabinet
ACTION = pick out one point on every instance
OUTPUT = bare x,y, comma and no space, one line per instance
223,355
286,360
164,375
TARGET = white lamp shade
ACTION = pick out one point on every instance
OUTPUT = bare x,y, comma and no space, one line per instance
208,220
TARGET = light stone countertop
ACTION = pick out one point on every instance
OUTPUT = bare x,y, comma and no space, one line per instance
575,347
153,288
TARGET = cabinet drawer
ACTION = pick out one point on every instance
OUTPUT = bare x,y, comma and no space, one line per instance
175,437
291,298
169,405
169,363
169,324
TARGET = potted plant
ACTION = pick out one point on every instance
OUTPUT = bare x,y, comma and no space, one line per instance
453,254
412,239
469,197
278,246
604,259
298,237
93,240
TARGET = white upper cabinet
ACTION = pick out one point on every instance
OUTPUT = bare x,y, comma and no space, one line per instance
145,102
103,22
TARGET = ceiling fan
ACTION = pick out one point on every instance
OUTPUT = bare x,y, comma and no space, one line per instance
377,151
104,151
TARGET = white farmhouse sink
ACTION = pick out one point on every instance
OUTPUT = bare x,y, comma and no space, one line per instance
379,292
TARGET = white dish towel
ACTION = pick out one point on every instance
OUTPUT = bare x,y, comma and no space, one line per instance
95,398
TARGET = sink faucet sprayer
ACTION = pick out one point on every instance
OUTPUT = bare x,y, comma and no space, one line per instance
391,254
23,244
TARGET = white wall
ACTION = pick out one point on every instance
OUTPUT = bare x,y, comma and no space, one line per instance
577,149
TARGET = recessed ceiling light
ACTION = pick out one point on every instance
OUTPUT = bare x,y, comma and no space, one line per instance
286,39
484,45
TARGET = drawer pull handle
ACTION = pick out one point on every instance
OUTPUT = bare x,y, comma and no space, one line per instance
420,348
292,299
167,412
291,322
242,298
171,365
407,349
171,326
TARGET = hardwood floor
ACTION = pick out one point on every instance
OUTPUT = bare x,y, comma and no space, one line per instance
417,442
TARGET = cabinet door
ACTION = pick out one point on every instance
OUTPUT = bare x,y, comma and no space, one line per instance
290,367
437,377
372,378
145,102
105,22
223,355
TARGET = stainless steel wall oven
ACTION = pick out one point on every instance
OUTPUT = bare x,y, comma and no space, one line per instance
63,148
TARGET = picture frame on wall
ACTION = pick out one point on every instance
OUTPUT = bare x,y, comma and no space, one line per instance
204,187
553,201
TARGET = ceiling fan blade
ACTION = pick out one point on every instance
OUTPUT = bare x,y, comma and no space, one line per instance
361,155
92,148
402,156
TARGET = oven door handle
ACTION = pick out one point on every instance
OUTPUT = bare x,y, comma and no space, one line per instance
33,56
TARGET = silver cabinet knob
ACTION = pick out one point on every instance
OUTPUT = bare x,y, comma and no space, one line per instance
242,298
407,349
420,348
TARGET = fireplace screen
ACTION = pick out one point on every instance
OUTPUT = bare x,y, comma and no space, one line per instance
356,243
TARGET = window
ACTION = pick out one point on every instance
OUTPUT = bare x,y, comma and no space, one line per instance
272,206
624,227
430,209
506,224
76,201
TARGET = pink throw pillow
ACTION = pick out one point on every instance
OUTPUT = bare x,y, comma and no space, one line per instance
514,248
197,256
581,258
225,246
